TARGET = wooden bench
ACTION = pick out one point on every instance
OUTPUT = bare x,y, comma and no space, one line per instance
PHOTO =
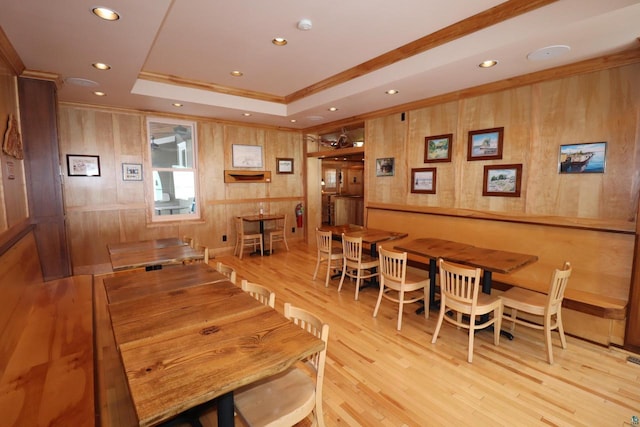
46,349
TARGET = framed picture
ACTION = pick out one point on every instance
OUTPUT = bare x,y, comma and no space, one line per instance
583,158
132,172
485,144
247,156
502,180
423,180
81,165
385,166
438,148
284,165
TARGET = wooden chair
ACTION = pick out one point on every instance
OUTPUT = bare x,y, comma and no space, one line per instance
259,292
291,396
200,248
395,278
188,240
355,264
547,307
227,271
327,252
460,292
278,234
242,239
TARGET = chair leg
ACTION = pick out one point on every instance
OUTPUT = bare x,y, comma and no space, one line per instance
427,302
241,249
358,271
344,273
400,306
547,339
261,247
284,239
375,310
472,334
440,319
563,340
497,324
328,277
315,273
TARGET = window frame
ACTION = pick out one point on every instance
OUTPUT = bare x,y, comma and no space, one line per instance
150,186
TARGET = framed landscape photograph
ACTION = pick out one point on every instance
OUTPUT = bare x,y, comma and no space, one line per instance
81,165
284,165
385,166
438,148
423,180
583,158
502,180
246,156
132,172
485,144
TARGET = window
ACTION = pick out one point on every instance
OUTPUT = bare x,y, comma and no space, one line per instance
173,148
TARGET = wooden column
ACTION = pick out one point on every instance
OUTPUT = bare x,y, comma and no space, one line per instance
38,112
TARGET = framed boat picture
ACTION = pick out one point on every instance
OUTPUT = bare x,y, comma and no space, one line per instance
583,158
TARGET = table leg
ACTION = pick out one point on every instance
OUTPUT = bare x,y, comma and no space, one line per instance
433,271
225,410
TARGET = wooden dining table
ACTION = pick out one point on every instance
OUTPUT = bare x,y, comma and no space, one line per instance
489,260
184,343
151,254
371,236
261,219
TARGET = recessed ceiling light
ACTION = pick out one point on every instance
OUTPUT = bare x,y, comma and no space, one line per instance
279,41
246,114
333,108
101,66
177,104
391,92
105,13
488,63
99,93
236,73
293,120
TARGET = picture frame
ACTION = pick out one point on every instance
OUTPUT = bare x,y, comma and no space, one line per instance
83,165
502,180
385,166
132,172
438,148
284,165
485,144
588,157
423,180
246,156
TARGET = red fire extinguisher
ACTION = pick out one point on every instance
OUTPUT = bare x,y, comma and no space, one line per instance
299,212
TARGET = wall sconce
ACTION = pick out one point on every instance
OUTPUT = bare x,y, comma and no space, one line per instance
322,182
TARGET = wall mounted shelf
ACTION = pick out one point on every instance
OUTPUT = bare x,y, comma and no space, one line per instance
233,176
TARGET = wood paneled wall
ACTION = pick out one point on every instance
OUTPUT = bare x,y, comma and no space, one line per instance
13,195
107,209
589,219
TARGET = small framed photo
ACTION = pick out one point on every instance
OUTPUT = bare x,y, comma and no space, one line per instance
284,165
81,165
423,180
485,144
502,180
583,158
385,166
246,156
132,172
438,148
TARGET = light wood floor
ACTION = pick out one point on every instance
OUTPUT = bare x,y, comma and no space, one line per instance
377,376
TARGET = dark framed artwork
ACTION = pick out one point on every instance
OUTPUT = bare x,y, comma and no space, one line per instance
284,165
82,165
587,157
438,148
502,180
485,144
423,180
385,166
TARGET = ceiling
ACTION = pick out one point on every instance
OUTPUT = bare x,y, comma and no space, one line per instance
167,51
